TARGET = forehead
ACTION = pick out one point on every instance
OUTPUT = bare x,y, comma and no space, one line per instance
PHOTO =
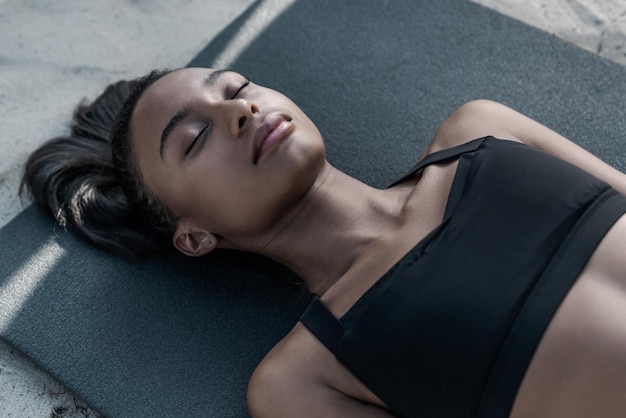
175,85
165,98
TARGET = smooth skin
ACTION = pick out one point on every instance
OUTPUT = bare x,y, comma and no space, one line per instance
340,235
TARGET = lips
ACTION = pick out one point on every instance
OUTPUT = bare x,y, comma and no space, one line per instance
270,132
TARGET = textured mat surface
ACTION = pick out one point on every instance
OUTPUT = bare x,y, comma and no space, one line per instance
180,337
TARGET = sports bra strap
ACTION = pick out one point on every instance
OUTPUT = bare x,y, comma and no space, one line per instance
317,318
443,155
323,324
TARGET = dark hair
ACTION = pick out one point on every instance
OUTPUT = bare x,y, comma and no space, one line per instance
89,181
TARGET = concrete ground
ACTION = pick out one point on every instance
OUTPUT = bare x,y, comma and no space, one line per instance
52,54
598,26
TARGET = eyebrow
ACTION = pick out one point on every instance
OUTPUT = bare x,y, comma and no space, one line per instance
182,114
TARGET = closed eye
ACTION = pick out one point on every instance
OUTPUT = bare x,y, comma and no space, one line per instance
240,89
245,84
195,140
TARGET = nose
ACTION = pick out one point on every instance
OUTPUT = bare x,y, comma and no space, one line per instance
240,113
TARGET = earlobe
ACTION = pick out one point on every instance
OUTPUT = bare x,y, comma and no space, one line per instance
194,243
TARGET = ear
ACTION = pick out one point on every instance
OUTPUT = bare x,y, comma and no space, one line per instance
194,242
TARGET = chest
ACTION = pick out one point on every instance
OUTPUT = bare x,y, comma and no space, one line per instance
436,321
423,212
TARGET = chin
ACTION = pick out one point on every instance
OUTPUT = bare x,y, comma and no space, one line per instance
309,158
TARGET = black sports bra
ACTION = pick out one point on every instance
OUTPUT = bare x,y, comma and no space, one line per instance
449,331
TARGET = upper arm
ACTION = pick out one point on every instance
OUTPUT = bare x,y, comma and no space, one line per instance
277,391
483,117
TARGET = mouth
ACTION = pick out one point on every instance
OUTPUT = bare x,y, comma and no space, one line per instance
270,133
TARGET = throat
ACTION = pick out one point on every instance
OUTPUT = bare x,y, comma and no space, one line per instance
335,227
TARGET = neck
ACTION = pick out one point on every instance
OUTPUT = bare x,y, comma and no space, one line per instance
332,226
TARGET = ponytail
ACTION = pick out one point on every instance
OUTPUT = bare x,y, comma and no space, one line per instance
88,181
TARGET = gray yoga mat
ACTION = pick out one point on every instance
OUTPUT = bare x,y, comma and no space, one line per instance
180,337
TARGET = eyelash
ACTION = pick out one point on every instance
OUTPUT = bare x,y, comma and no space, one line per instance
239,90
188,150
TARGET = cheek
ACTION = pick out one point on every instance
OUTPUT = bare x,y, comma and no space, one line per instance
236,215
226,199
235,199
252,206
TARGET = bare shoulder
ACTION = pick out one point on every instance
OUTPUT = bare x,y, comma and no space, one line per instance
287,377
287,355
299,377
475,119
481,118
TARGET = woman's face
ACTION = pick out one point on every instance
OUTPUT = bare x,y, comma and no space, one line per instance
225,155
